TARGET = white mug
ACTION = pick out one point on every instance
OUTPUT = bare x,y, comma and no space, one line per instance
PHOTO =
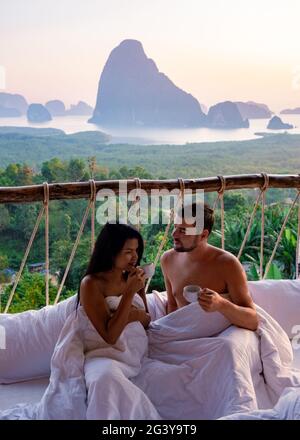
149,269
191,293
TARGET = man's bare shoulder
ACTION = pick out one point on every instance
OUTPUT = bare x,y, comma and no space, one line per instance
226,257
229,262
167,257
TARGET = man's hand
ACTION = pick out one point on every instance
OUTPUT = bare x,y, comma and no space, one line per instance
210,301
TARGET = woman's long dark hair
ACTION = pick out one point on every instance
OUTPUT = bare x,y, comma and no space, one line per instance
108,245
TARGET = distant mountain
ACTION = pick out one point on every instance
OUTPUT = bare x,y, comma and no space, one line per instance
203,108
80,109
226,115
253,110
293,111
276,124
55,107
14,102
38,113
132,92
9,112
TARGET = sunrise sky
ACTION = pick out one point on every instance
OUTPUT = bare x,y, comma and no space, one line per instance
216,49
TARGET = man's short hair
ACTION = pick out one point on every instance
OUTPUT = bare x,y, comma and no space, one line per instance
196,207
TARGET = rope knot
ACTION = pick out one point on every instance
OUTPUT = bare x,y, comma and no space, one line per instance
223,185
46,193
138,188
182,189
93,190
265,185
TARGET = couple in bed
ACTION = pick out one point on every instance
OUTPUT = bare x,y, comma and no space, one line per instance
108,290
112,295
106,366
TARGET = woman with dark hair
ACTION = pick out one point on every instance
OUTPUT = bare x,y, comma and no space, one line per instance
112,296
111,281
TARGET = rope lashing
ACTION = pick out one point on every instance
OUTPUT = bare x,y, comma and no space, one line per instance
93,207
260,198
83,223
171,219
138,201
33,234
264,188
257,201
182,192
46,205
280,234
220,197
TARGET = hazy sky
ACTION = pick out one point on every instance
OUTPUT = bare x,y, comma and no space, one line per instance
216,50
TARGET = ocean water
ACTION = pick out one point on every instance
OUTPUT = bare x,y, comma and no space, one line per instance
73,124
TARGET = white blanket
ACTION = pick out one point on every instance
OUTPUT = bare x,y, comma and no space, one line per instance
90,379
206,378
287,408
184,377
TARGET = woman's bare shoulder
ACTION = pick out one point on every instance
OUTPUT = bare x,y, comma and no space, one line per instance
92,299
91,279
91,285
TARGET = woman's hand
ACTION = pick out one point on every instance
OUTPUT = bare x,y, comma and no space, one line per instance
144,318
139,315
142,294
135,281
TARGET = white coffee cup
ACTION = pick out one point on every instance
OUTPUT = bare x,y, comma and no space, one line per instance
149,269
191,293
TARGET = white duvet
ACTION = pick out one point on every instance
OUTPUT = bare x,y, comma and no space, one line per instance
287,408
172,372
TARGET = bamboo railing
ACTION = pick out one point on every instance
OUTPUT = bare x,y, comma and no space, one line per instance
88,190
78,190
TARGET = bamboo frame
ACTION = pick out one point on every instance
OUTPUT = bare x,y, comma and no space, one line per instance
82,190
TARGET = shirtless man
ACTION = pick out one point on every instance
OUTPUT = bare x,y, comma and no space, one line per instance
194,261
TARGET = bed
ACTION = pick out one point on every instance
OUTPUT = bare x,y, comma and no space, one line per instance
31,391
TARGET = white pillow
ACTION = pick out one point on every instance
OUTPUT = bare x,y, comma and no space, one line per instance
30,338
189,322
281,299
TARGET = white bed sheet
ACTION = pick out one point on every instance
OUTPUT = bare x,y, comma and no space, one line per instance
32,391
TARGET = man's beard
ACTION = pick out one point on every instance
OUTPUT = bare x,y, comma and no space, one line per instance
181,248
